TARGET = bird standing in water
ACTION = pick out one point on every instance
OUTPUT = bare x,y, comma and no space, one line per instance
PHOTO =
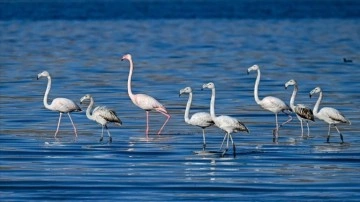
61,105
144,101
101,115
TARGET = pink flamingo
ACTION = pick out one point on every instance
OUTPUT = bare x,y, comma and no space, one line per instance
144,101
62,105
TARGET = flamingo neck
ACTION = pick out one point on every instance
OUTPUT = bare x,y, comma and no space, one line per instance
47,93
212,104
187,110
256,87
88,110
316,107
292,99
131,95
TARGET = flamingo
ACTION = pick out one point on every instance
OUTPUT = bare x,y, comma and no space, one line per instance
200,119
226,123
328,114
101,115
62,105
270,103
303,113
144,101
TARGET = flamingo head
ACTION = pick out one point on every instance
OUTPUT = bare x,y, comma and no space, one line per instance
126,57
43,74
210,85
85,97
253,68
291,82
185,90
315,90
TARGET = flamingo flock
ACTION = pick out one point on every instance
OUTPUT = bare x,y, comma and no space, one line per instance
103,115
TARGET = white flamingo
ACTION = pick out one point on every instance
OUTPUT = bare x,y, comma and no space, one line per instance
303,113
226,123
62,105
144,101
328,114
101,115
200,119
270,103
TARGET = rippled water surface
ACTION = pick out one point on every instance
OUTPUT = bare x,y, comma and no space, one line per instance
84,57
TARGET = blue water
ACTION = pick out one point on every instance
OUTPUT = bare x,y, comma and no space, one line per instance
172,52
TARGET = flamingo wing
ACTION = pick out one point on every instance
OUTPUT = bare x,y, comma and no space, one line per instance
106,114
147,102
273,104
201,119
304,112
64,105
334,115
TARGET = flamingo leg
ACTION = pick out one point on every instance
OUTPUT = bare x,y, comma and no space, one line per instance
276,130
102,133
167,119
328,136
107,129
302,128
307,124
227,143
234,148
58,125
147,125
341,136
204,142
290,119
223,141
72,124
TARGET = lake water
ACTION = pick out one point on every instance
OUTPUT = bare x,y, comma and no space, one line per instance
83,56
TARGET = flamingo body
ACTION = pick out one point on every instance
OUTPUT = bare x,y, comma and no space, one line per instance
101,115
328,114
144,101
200,119
61,105
225,123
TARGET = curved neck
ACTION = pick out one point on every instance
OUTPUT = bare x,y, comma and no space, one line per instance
88,110
256,87
292,99
316,107
131,95
187,110
47,93
212,104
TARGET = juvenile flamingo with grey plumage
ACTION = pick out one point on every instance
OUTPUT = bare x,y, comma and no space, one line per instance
303,113
61,105
101,115
200,119
328,114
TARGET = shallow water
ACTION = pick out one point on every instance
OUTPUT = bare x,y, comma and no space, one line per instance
84,57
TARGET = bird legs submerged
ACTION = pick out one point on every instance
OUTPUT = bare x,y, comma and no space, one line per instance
276,130
162,127
58,125
328,136
102,133
227,137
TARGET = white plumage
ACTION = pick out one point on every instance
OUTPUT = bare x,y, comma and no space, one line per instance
303,113
200,119
144,101
226,123
329,115
101,115
61,105
270,103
